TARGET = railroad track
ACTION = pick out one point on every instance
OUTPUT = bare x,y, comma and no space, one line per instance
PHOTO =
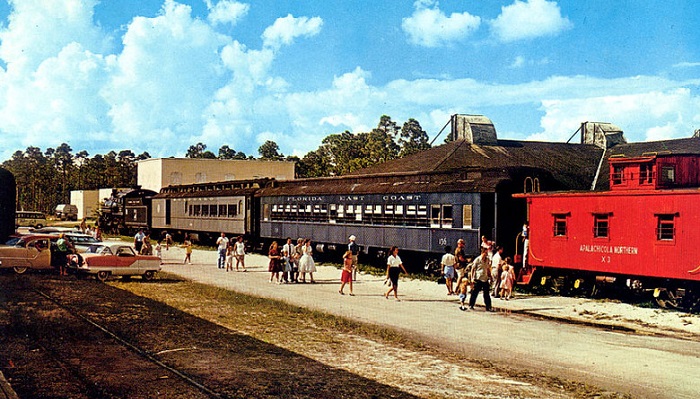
144,354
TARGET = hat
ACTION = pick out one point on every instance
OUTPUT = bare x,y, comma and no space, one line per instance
352,238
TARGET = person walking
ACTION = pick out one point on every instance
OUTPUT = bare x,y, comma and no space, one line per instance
355,251
393,269
481,277
187,244
239,253
461,262
448,269
138,241
229,257
496,265
222,244
346,274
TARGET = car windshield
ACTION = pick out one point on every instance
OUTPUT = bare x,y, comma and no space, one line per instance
98,249
82,239
13,241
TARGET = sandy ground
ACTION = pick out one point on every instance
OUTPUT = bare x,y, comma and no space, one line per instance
607,313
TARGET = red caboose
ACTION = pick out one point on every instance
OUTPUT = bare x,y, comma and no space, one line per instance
643,234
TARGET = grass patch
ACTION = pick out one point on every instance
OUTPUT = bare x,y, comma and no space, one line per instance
269,320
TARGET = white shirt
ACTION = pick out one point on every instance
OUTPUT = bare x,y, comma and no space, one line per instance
222,242
448,260
239,247
393,261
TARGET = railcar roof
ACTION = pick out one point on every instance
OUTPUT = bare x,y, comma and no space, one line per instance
460,166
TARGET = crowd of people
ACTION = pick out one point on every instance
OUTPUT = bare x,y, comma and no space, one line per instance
489,273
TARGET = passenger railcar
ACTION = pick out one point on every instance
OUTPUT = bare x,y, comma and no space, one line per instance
641,234
423,202
205,210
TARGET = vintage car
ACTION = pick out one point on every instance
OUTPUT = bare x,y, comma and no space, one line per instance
30,252
105,260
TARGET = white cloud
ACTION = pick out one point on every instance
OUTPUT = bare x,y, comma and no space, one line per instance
40,29
428,26
227,12
529,19
166,74
285,30
651,115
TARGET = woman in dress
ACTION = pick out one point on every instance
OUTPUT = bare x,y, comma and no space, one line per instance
275,262
346,274
393,269
306,262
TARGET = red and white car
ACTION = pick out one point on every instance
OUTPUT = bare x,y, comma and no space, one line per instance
105,260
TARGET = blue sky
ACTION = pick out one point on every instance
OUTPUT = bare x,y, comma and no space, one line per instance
159,76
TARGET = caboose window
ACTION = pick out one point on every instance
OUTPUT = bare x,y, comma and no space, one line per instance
560,225
665,227
618,176
600,225
668,174
645,171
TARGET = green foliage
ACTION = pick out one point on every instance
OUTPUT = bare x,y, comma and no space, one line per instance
199,150
270,151
347,152
46,179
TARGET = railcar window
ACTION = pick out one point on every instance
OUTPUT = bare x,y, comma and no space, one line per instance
560,225
447,216
197,210
266,212
232,210
466,216
600,225
435,216
618,176
665,227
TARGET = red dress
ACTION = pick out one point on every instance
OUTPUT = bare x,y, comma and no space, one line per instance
346,275
275,265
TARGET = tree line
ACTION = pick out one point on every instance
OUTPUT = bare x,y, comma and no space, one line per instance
46,178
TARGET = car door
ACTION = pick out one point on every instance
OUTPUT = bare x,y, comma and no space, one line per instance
37,254
125,257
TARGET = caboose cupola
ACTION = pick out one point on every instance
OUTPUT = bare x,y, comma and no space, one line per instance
654,171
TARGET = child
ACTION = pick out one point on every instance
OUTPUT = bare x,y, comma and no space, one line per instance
158,250
346,274
188,251
507,279
463,287
229,258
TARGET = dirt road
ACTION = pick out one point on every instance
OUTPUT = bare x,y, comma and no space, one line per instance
619,361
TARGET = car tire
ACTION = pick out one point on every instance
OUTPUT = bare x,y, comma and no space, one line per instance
102,275
149,275
19,269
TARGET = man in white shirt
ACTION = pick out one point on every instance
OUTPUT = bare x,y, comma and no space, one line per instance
222,244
